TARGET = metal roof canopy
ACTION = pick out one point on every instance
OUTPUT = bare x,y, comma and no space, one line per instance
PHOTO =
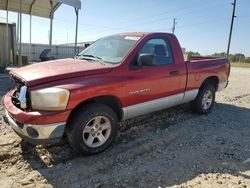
41,8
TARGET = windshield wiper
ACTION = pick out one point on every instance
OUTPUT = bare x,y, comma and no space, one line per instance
99,59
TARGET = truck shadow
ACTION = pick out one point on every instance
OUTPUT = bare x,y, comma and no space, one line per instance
166,148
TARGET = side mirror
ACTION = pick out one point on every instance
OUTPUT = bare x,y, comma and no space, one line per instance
146,60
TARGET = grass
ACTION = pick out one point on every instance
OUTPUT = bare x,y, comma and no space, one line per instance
244,65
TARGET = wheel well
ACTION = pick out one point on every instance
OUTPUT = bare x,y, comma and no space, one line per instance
109,101
213,80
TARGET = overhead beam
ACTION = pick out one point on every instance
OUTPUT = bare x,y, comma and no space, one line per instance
73,3
31,6
41,8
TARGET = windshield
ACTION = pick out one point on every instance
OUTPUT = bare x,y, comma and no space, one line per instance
110,49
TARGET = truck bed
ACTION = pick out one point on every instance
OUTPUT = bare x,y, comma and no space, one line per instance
200,67
200,58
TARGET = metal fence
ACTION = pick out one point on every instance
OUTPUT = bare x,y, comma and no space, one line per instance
33,51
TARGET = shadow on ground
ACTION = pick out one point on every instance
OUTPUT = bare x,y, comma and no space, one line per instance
160,149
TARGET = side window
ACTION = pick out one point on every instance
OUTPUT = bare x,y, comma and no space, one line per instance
161,49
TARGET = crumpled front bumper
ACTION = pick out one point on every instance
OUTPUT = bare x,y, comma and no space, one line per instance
37,127
37,134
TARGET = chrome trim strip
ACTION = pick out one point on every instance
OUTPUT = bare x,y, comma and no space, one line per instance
45,132
222,85
158,104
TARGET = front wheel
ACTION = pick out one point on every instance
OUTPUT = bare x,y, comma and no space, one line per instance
92,129
204,101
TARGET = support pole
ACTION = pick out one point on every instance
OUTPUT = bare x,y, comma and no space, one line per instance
30,35
50,32
51,24
18,24
7,36
231,28
31,7
20,35
16,54
76,34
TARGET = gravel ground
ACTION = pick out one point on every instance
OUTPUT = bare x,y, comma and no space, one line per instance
173,147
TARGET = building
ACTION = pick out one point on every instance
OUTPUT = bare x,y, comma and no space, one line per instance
7,44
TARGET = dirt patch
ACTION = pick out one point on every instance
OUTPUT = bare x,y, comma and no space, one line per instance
173,147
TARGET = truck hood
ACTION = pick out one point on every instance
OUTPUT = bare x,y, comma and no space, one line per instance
56,70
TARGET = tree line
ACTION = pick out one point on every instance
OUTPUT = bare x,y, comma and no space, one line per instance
238,57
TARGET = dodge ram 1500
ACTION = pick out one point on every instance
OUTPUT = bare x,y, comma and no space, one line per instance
116,78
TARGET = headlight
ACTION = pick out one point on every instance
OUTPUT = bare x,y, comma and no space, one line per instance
49,99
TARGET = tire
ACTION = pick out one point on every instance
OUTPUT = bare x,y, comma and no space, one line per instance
207,92
92,129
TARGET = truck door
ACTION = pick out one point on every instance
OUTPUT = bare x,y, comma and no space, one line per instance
149,83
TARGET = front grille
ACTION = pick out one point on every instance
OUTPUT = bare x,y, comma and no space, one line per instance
15,99
17,84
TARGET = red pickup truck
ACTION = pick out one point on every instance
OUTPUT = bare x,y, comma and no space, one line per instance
116,78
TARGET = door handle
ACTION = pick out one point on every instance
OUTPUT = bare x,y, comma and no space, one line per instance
173,73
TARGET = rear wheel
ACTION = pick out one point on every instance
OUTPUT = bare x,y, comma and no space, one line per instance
204,101
92,129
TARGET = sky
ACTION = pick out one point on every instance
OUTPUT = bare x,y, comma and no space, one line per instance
202,25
